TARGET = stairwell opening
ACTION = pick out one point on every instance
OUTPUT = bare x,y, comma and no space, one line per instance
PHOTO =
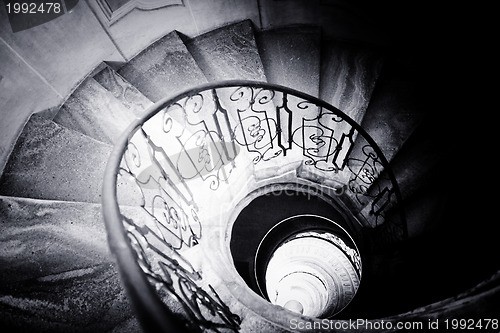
296,248
204,220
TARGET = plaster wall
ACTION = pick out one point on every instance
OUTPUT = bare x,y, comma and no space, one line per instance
42,65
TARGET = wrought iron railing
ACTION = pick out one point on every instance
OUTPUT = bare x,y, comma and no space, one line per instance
174,177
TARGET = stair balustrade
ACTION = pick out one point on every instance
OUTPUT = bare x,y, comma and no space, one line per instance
190,160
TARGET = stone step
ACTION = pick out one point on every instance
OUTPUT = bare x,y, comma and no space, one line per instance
45,239
416,179
123,90
396,109
95,112
432,147
57,273
291,56
163,69
53,162
228,53
89,300
395,119
348,76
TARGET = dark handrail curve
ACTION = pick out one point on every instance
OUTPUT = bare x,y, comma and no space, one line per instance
152,312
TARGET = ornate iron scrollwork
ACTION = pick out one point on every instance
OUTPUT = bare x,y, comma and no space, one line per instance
200,138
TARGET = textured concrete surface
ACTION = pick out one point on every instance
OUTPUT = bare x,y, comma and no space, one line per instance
228,53
53,162
94,111
291,57
124,91
396,108
163,69
56,272
42,238
348,76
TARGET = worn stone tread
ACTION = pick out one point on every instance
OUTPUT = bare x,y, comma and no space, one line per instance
93,301
164,69
46,239
57,273
95,112
228,53
123,90
291,56
348,76
52,162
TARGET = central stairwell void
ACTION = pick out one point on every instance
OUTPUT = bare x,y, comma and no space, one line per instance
196,164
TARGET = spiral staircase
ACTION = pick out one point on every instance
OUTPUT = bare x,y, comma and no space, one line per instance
58,273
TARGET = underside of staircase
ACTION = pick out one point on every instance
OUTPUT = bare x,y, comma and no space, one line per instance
57,273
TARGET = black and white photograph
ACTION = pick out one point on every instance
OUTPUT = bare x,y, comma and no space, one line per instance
247,166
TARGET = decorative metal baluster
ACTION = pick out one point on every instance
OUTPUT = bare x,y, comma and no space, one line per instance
255,130
284,126
223,125
186,148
